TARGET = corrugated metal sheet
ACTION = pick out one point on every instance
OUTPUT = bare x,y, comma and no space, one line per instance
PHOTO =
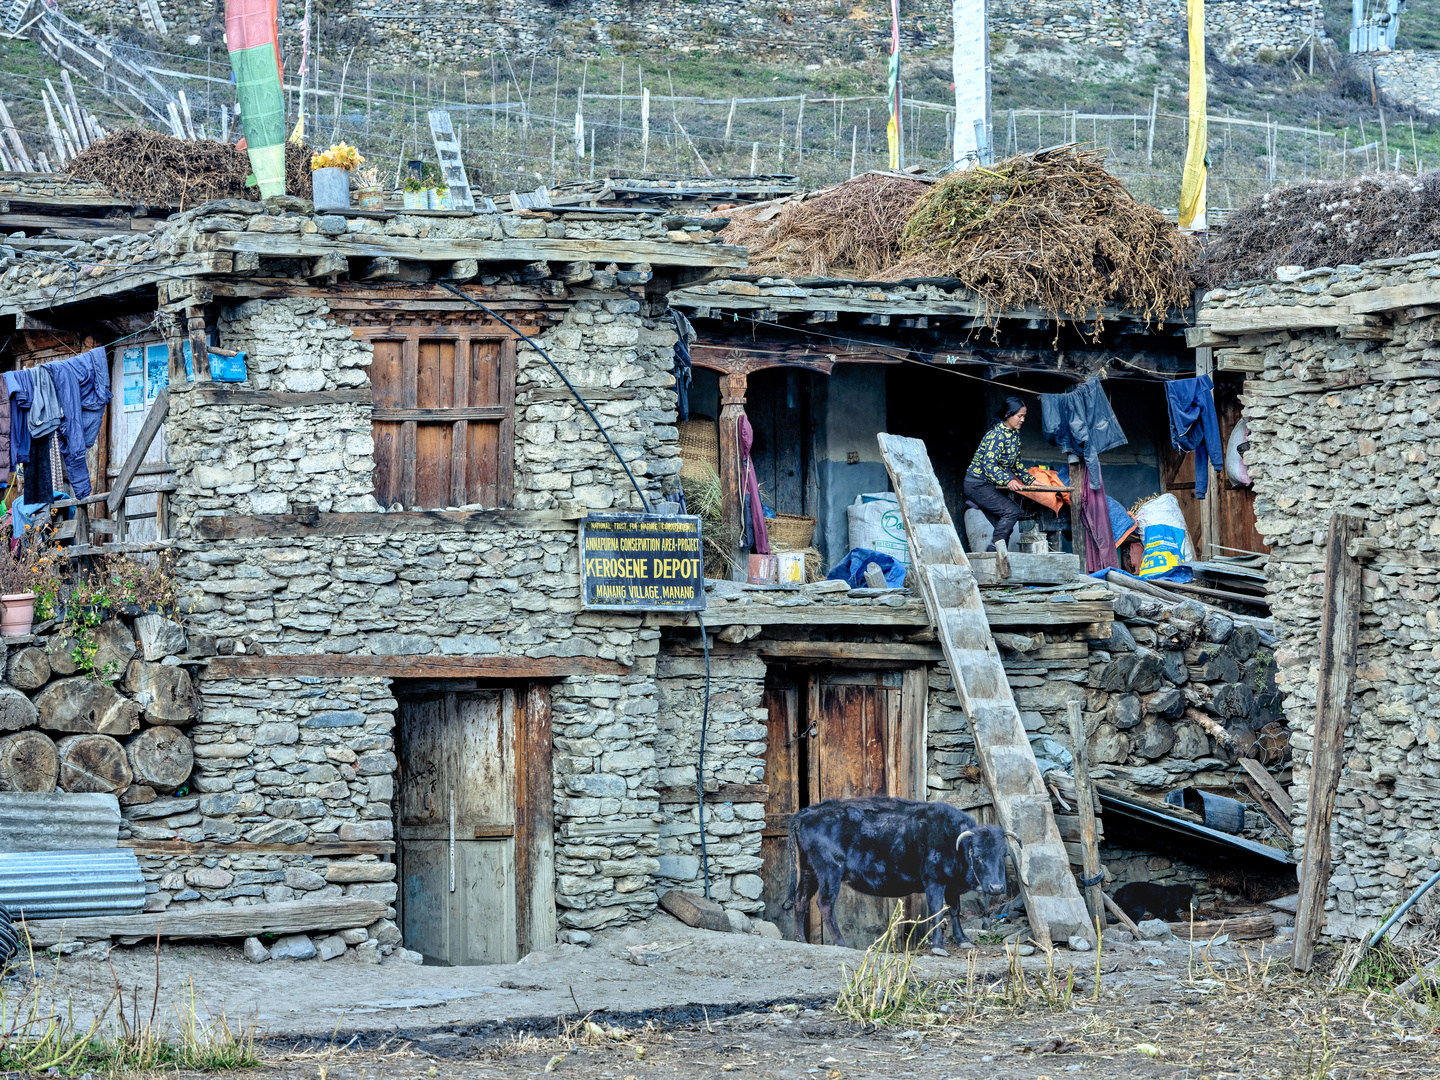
58,821
71,884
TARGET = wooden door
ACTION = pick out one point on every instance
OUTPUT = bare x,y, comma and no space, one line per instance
443,417
784,691
476,874
138,372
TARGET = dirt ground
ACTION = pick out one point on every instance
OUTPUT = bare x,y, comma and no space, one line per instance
713,1004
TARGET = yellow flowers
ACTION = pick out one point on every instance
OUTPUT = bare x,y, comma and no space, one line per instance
340,156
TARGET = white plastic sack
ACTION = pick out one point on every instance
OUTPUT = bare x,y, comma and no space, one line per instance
1237,444
875,523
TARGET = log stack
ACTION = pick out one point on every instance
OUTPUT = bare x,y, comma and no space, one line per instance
115,729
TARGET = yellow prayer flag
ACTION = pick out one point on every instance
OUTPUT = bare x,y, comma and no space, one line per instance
1192,183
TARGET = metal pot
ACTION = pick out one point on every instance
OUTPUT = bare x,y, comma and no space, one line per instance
332,189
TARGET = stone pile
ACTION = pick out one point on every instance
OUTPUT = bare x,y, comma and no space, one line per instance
1353,426
116,727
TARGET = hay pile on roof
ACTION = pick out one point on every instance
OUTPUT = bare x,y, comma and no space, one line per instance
1327,224
153,166
1053,229
851,230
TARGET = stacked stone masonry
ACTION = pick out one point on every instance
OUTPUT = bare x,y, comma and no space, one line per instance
1347,426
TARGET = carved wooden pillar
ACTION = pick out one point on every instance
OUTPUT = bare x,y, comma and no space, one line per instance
732,408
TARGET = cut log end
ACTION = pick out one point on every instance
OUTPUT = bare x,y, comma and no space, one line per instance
94,763
29,761
160,757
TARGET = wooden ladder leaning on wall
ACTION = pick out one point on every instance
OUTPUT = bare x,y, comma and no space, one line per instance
952,598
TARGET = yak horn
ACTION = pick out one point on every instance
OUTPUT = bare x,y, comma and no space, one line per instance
967,832
1015,839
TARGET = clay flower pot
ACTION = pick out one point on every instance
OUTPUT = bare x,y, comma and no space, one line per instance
17,613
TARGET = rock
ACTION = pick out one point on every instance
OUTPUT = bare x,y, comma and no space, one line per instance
166,693
159,637
1126,606
368,952
1118,936
347,872
385,932
1079,944
1217,627
17,711
1108,746
293,947
1116,675
1025,950
1189,611
1154,930
1124,711
739,921
354,936
1191,743
695,910
331,947
575,937
1175,669
297,877
641,956
86,706
407,956
1120,640
679,867
1153,738
255,952
764,928
1167,702
28,669
750,886
114,646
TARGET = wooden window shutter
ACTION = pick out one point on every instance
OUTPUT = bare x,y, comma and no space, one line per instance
444,417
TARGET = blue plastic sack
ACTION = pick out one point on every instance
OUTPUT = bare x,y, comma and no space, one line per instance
852,568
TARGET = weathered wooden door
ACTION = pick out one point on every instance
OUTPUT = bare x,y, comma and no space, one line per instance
138,372
475,841
837,734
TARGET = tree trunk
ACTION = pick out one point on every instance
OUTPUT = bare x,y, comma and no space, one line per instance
16,710
93,763
167,693
86,705
28,762
161,757
29,669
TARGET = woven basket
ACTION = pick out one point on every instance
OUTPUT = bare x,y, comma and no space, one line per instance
790,532
699,449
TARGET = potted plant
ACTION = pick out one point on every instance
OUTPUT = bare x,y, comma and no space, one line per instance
367,189
413,192
330,171
30,582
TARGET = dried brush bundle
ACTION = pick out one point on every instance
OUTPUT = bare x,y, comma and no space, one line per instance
1053,229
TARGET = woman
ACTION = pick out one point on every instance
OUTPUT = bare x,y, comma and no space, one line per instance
996,470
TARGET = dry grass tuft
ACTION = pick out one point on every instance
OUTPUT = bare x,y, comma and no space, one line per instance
151,165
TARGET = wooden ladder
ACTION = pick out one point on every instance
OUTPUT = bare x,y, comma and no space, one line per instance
952,598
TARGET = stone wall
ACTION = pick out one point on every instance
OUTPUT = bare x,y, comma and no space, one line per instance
1353,426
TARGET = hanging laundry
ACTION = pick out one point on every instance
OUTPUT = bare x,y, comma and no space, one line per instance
681,369
46,412
755,530
1081,422
1099,538
82,385
39,483
19,385
1194,426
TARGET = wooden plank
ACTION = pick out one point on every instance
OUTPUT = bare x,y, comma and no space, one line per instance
320,849
1089,839
1252,320
511,249
220,394
1244,928
1119,913
731,793
340,665
1027,568
912,615
1235,360
288,526
952,599
286,917
535,916
1268,784
894,651
1267,806
154,420
782,781
1339,627
910,747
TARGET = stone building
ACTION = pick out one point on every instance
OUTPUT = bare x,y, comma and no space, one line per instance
374,539
1342,408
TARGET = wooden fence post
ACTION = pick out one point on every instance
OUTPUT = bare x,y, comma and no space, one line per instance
1339,630
1085,801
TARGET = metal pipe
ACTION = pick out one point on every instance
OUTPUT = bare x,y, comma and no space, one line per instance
1395,915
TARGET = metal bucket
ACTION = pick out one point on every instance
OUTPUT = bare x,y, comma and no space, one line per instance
332,189
1219,812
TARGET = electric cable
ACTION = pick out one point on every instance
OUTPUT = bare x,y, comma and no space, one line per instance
700,763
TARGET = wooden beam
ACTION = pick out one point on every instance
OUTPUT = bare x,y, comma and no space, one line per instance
154,421
535,920
443,249
895,651
349,665
723,794
1253,320
289,526
1028,568
1119,913
1002,614
1271,811
1085,804
732,465
1339,631
1268,784
220,394
286,917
